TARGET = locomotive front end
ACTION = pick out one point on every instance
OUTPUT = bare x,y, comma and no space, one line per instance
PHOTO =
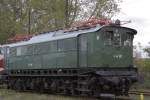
116,59
118,46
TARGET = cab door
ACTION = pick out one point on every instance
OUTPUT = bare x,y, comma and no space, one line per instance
82,50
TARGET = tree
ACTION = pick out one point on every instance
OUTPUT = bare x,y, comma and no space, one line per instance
147,50
37,16
98,8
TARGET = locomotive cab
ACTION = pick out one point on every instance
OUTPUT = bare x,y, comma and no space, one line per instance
112,47
109,50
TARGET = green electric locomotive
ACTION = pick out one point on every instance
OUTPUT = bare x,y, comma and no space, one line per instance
81,61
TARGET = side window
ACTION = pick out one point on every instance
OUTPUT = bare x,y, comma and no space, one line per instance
30,49
43,47
1,53
37,49
61,45
8,51
12,51
19,51
71,44
108,37
24,50
67,44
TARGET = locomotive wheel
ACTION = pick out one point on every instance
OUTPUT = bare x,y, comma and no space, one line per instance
83,85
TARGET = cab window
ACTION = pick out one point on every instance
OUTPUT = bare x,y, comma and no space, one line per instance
108,37
127,41
117,38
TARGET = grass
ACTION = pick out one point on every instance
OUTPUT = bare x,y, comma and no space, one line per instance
13,95
143,66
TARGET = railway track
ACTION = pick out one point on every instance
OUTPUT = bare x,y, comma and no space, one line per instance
146,93
133,92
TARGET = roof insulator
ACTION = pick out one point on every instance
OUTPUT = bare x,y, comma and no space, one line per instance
117,22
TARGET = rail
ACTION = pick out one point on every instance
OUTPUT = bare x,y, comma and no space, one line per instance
146,93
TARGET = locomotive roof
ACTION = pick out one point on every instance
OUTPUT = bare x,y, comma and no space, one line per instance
55,35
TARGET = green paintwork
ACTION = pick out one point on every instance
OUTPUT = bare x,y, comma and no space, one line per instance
45,55
90,48
106,55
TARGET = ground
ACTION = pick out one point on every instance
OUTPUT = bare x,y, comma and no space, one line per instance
12,95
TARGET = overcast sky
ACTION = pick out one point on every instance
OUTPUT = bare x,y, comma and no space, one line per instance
138,11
